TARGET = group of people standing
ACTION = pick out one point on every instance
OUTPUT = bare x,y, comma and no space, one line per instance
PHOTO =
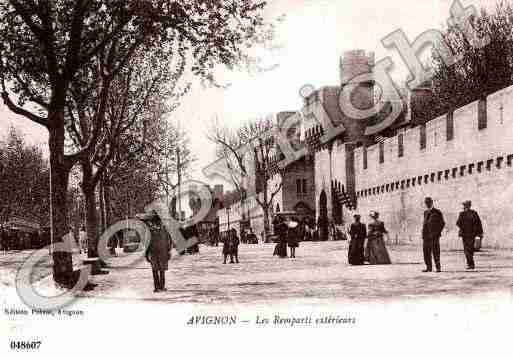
11,239
231,246
375,252
287,232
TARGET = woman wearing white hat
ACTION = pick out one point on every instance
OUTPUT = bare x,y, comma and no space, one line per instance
376,251
292,236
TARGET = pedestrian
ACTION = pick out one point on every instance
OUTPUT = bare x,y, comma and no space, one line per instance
376,250
158,252
227,247
235,246
252,238
358,232
189,233
293,236
471,228
113,242
82,237
316,237
242,236
431,232
280,229
308,231
216,236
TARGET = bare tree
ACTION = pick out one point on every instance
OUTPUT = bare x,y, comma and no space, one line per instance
250,154
99,118
46,45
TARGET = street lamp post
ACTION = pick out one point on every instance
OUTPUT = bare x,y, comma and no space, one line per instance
228,213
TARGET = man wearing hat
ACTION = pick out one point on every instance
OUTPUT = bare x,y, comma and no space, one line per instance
158,252
431,232
470,227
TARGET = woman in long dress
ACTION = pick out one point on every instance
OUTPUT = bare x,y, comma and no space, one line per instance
280,228
376,251
358,232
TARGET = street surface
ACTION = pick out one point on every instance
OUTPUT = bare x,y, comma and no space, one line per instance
319,273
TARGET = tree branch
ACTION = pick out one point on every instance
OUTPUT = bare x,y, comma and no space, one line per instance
22,112
74,45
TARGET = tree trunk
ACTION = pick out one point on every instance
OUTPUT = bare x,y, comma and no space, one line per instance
107,199
266,222
265,208
103,221
59,173
88,189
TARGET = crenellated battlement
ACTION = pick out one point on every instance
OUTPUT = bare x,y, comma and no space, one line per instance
463,155
445,142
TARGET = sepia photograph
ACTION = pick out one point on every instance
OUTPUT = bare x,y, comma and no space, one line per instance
249,178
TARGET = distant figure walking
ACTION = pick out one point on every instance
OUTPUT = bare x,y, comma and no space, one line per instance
280,229
235,245
158,252
251,237
231,246
431,232
471,228
227,247
293,236
82,238
376,251
357,232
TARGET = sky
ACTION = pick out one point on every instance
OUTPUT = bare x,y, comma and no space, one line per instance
310,40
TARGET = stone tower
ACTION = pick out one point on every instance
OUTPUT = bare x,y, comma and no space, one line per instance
352,64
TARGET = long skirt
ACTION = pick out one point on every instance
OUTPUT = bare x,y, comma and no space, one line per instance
356,254
376,252
280,249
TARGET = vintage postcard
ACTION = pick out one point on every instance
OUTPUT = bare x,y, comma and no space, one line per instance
249,178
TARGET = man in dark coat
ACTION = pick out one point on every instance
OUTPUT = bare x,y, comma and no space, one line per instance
358,233
431,232
235,245
227,246
470,227
158,252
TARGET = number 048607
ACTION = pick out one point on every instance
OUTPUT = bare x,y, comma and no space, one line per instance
25,345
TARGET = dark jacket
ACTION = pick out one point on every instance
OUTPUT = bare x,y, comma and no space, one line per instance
469,224
227,244
293,237
433,224
158,252
235,241
358,231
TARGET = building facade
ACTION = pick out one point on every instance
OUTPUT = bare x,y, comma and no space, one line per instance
294,187
464,155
